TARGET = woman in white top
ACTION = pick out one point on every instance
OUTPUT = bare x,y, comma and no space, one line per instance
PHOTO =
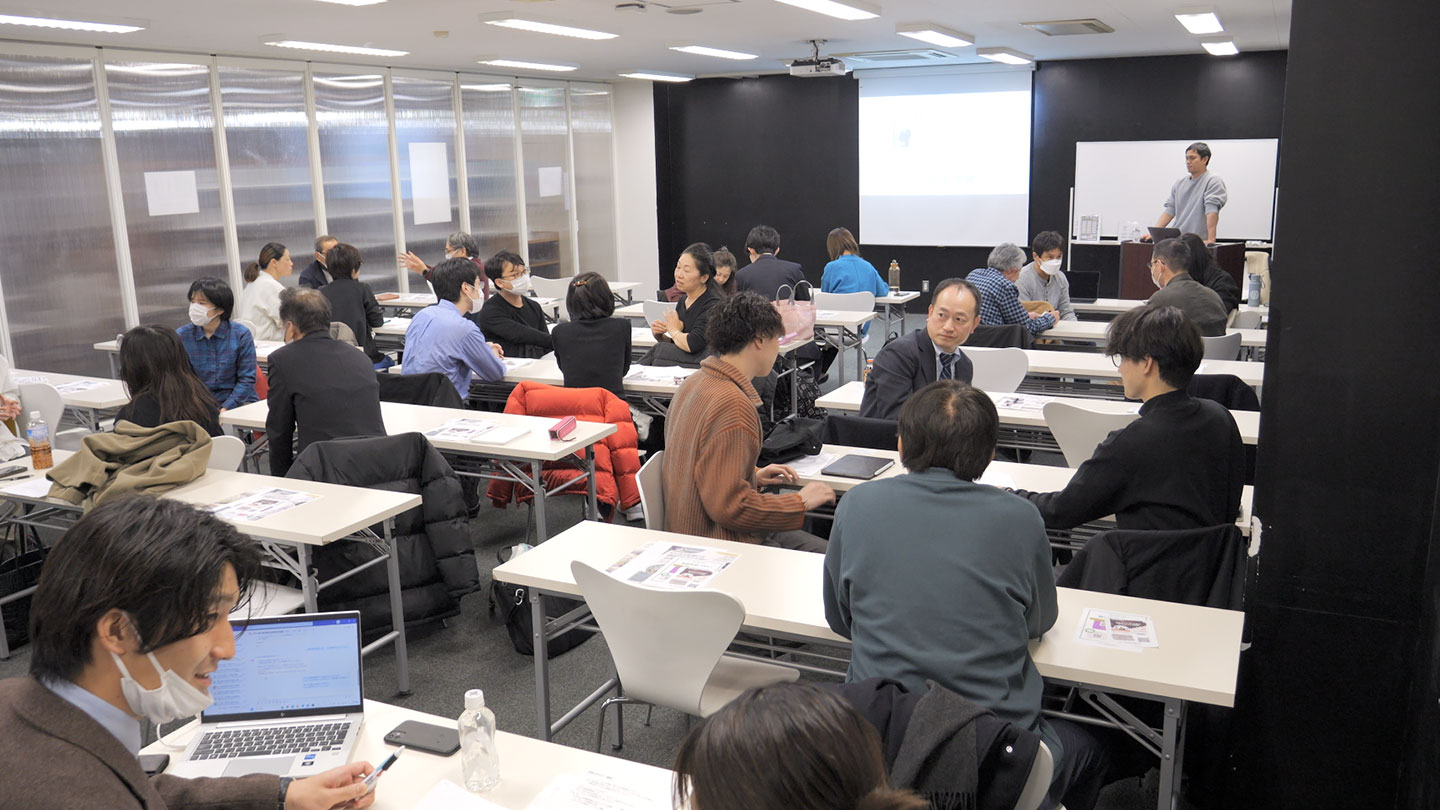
260,301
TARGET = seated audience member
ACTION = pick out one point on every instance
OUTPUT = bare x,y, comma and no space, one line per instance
847,272
1181,465
712,440
767,273
953,586
315,275
221,352
798,745
592,348
126,625
162,385
1000,300
458,245
724,262
1204,269
681,335
260,300
441,339
318,385
1169,269
1042,279
352,302
922,356
511,317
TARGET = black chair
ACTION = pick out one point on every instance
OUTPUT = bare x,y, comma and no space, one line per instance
1233,393
1204,566
419,389
861,431
1010,335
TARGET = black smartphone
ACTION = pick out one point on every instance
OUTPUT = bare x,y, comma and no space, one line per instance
425,737
14,469
154,763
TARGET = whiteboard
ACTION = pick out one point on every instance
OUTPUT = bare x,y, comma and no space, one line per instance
1130,180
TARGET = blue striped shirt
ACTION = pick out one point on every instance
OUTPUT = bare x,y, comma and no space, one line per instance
224,361
440,339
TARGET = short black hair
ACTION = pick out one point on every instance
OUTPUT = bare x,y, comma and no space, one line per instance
451,275
308,309
343,260
495,265
589,298
216,291
1200,148
738,319
957,282
1046,241
949,424
1175,255
763,239
1163,333
159,560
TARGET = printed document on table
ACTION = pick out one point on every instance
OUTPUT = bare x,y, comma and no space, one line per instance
810,466
447,795
594,790
512,363
37,487
659,374
1126,631
461,430
77,386
1021,402
672,566
996,477
258,504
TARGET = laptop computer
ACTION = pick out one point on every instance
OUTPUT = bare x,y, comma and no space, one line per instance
1156,234
288,703
1084,286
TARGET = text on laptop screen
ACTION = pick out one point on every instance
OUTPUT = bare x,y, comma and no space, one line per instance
306,664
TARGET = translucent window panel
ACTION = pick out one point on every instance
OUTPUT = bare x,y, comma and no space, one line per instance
545,143
165,140
266,135
489,115
592,131
425,143
58,265
355,162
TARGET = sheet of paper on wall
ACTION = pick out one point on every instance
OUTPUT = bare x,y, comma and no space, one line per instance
593,790
1126,631
170,193
447,795
429,182
551,179
670,565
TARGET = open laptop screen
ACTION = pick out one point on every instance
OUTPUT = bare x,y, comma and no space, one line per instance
290,666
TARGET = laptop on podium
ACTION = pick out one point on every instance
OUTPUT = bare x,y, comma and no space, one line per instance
289,703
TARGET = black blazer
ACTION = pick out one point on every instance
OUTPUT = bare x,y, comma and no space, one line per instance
353,304
904,366
767,274
325,387
313,276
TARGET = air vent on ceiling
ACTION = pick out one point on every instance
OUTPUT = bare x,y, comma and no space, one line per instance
1069,28
906,57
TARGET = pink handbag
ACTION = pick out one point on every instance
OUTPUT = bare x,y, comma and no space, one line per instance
798,317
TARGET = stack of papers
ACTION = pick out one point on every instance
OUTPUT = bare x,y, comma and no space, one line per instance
259,504
1126,631
671,566
37,487
476,430
659,374
79,385
810,466
512,363
1021,402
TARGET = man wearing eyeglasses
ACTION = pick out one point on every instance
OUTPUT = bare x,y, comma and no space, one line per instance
922,356
1169,269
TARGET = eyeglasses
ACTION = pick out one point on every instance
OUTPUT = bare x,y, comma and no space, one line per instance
1115,358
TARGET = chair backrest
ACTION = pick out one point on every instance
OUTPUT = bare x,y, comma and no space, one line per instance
1001,336
664,643
247,324
1246,319
1224,347
1079,430
844,302
655,310
861,431
550,287
44,398
226,453
997,370
4,372
652,496
342,332
1037,785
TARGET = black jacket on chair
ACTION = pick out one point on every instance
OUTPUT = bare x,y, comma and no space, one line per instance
904,366
1001,336
437,559
1193,566
327,389
767,274
419,389
861,431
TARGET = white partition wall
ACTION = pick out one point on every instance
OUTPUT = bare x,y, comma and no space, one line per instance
488,106
425,148
545,146
592,133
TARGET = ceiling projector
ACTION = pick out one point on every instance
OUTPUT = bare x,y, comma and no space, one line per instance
817,67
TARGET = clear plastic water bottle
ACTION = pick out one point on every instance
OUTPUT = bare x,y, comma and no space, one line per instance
479,760
894,275
39,435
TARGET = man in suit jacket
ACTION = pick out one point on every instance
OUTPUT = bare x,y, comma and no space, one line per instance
315,275
766,274
326,387
922,356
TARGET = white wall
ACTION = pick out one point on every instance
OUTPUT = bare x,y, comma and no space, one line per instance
638,235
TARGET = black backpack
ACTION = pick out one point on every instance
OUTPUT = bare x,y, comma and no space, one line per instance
510,604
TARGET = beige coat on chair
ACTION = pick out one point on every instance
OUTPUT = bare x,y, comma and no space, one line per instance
132,459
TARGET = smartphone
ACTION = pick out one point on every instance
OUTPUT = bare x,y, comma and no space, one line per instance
13,469
153,764
425,737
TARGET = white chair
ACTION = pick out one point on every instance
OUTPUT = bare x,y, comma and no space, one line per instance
1224,347
226,453
668,646
552,288
44,398
844,302
1079,431
4,372
997,370
247,324
1246,319
1037,784
652,497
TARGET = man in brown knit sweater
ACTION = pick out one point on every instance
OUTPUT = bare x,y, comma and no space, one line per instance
712,439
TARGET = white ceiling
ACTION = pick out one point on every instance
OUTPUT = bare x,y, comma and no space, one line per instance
771,29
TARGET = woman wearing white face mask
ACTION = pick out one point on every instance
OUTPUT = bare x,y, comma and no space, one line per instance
222,352
129,620
1042,281
511,317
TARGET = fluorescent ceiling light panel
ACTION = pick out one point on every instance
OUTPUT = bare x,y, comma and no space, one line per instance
652,76
935,35
519,65
126,27
1220,46
701,50
1199,20
331,48
354,2
547,28
845,10
1006,56
486,88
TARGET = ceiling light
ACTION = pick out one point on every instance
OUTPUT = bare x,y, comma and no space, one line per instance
329,48
545,28
1220,46
486,88
652,76
74,25
935,35
518,65
701,50
1005,55
1199,20
846,10
353,2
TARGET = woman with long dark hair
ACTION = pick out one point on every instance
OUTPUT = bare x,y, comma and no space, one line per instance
163,386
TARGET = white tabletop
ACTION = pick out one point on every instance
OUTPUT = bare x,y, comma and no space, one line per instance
642,338
781,589
633,311
898,297
1095,330
403,418
1097,365
842,318
393,327
1115,306
109,394
407,300
263,348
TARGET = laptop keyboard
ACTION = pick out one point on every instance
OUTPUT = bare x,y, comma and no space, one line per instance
271,740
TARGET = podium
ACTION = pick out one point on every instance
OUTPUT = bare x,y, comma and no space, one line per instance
1135,257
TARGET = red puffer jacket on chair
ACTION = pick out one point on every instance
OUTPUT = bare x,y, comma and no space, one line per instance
617,457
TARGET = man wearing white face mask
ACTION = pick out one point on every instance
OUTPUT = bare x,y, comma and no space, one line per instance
1042,280
128,622
511,317
442,339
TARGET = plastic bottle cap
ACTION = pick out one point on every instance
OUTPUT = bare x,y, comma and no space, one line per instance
34,415
474,699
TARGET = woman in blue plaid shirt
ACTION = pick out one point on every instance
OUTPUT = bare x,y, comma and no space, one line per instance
222,352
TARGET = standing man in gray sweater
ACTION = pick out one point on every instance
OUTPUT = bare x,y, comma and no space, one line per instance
1196,199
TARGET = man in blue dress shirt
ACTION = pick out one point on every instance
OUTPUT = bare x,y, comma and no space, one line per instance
441,339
